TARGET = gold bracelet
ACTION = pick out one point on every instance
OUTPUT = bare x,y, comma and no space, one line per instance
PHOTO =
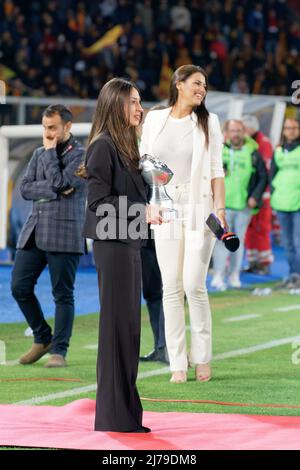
221,209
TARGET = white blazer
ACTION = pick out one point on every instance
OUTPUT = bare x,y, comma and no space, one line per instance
206,165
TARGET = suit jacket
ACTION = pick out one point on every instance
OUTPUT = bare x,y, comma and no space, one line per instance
56,219
116,196
206,165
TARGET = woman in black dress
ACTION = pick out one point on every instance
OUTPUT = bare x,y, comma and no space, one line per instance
116,219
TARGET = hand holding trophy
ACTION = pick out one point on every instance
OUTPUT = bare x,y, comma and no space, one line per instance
157,174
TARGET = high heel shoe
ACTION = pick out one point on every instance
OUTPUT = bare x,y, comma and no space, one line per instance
178,377
203,372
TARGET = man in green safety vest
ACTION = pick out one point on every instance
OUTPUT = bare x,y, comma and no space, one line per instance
285,197
245,182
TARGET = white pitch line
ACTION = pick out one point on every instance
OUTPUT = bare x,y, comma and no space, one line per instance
258,347
256,315
56,396
287,309
81,390
14,362
247,316
164,370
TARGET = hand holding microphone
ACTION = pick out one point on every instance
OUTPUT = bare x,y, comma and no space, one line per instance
230,239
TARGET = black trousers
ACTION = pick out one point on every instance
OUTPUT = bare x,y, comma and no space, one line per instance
153,293
118,406
29,264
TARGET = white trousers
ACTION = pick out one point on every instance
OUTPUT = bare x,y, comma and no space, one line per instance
184,270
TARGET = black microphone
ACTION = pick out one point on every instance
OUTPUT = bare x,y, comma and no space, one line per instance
230,239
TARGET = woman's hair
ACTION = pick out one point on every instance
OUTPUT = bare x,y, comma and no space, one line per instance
181,75
111,117
283,140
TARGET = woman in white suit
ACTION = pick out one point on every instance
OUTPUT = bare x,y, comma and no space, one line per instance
189,140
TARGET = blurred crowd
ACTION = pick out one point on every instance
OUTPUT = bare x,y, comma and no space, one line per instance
245,46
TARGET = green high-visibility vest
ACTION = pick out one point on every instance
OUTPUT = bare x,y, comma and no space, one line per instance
286,183
239,169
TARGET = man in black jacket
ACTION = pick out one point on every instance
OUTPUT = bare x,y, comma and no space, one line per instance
52,235
245,182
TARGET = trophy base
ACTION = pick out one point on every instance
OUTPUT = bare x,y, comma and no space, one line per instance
170,215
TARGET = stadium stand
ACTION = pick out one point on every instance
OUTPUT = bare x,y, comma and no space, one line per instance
246,46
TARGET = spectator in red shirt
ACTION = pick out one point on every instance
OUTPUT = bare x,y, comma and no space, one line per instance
257,241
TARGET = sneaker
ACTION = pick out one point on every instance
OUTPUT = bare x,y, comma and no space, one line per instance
294,281
284,283
291,282
297,283
234,281
28,332
218,282
36,351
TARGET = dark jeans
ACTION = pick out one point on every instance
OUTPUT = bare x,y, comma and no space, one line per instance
29,264
290,226
152,292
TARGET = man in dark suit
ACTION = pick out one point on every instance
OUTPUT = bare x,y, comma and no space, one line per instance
52,235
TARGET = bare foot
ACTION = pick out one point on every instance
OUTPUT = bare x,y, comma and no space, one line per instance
178,377
203,372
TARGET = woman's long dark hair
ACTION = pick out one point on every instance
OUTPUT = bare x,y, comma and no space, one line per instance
181,75
110,116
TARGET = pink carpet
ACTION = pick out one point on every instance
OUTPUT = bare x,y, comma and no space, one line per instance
71,427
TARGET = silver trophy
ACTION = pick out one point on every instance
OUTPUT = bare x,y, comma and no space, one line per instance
157,174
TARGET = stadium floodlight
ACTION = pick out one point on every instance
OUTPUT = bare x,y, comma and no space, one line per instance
19,132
